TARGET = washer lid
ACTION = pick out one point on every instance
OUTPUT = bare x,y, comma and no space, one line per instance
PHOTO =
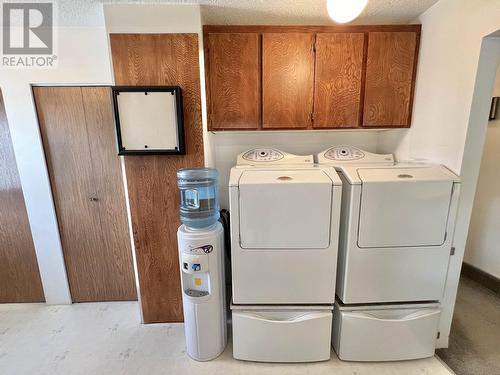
404,207
407,174
285,176
285,209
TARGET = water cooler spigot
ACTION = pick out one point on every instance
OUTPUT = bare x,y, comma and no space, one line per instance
195,275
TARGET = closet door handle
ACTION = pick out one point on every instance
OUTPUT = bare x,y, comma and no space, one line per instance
93,199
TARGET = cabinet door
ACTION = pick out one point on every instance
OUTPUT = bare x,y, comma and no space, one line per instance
337,84
389,79
233,68
288,75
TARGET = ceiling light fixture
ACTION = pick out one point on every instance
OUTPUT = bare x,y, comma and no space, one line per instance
343,11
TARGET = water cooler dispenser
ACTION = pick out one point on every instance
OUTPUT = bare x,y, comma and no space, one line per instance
201,256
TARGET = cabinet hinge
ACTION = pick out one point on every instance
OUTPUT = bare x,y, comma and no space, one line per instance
439,335
452,251
314,47
311,116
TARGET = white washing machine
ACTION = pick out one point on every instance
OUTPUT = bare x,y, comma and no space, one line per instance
396,230
285,214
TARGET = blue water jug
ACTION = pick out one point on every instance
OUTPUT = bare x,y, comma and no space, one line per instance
199,189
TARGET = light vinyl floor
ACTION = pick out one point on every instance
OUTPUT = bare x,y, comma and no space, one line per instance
107,338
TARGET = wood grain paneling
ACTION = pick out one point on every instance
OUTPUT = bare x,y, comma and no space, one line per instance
160,59
287,80
233,70
390,71
337,83
99,266
19,275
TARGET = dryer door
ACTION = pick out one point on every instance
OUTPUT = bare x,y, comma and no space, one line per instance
404,207
285,209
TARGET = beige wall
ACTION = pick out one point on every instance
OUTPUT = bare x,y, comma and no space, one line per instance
483,243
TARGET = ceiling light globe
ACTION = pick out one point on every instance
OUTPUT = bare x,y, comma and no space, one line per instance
343,11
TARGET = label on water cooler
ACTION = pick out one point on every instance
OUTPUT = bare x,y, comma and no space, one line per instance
199,250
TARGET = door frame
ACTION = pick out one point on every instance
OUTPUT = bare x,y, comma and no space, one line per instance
489,58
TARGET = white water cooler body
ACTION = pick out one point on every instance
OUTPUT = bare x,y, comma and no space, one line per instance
201,257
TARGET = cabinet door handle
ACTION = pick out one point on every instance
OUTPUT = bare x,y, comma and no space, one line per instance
93,199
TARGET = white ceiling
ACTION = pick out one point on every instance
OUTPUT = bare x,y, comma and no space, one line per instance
310,12
253,12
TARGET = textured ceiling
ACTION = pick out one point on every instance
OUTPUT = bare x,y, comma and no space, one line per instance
252,12
311,12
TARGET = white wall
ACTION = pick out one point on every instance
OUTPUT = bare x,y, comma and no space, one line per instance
82,59
152,18
449,51
483,243
454,83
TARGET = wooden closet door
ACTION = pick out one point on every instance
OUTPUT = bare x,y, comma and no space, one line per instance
337,89
93,266
116,259
233,77
390,71
19,275
288,76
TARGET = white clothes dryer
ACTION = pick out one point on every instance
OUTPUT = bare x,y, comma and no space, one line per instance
396,229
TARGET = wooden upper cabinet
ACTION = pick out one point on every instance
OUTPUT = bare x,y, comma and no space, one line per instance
390,74
233,76
310,77
287,80
337,83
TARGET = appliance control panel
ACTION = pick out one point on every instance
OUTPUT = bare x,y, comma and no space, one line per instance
342,155
270,156
263,154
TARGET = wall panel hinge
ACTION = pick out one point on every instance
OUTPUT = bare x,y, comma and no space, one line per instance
452,251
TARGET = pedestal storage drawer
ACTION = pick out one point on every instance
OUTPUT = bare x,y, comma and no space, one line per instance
385,333
282,335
